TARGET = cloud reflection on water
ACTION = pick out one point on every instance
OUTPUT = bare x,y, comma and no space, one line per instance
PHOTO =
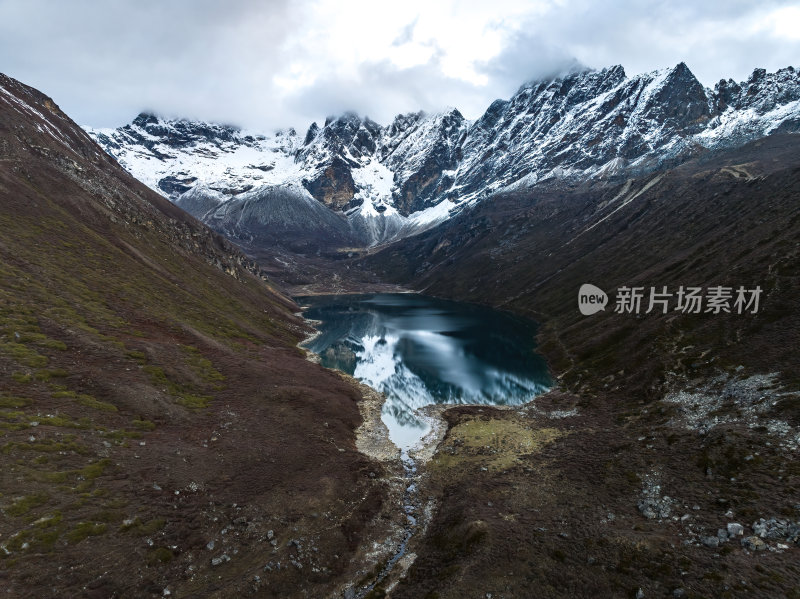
420,351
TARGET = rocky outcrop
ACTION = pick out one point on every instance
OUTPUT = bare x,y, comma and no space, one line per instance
333,185
424,159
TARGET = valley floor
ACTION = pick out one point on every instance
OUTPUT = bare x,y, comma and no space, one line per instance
664,463
163,435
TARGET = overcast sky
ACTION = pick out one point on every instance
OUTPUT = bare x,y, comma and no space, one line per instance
269,64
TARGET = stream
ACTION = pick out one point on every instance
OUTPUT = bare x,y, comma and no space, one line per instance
419,351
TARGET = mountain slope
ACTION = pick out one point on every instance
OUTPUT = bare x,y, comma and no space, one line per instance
273,216
159,428
665,428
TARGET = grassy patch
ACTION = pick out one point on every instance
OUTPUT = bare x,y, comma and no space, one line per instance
85,476
47,446
120,435
53,344
192,401
144,425
45,374
41,537
203,367
137,355
61,421
14,415
90,402
157,375
23,354
48,521
160,555
12,426
138,527
23,505
13,402
496,444
184,395
84,530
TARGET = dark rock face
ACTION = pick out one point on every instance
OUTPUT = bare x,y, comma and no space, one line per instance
417,148
347,136
333,185
725,93
397,131
426,178
762,91
332,152
681,101
311,133
175,186
179,133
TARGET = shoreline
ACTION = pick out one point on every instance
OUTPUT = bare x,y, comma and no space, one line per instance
405,482
410,506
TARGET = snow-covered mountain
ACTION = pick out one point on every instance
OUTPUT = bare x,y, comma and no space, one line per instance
355,182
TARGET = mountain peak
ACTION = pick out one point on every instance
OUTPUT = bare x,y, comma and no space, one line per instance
449,115
682,69
145,118
578,72
348,116
312,132
681,73
616,70
757,75
403,121
580,124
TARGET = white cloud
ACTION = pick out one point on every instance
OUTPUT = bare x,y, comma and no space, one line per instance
282,62
784,22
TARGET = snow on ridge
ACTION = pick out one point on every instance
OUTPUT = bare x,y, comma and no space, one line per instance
222,165
748,123
21,106
600,124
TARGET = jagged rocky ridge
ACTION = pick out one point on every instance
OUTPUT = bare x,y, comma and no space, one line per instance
380,183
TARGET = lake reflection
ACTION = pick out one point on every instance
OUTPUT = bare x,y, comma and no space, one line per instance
420,350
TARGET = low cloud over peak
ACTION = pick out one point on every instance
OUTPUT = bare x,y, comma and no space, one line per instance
280,63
